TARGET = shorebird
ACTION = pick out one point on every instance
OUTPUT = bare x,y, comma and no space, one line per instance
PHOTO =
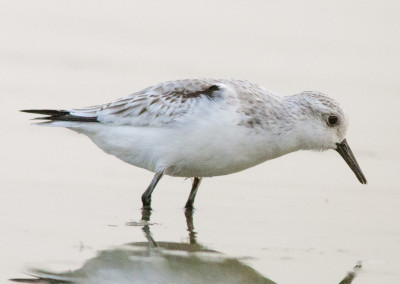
206,127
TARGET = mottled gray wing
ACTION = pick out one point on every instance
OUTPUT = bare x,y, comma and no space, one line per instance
155,106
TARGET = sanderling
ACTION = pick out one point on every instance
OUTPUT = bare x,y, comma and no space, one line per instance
205,127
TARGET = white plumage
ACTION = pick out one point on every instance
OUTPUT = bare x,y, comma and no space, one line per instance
206,127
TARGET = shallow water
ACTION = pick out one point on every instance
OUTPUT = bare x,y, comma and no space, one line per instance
152,261
302,218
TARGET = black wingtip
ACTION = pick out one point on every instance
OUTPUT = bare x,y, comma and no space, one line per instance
59,115
46,111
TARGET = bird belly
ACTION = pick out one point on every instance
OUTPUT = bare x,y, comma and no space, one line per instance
189,152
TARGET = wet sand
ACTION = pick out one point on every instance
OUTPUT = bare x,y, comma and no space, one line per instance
302,218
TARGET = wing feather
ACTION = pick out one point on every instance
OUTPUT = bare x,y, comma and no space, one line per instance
156,106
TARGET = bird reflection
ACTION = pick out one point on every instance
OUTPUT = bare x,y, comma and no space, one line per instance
156,262
159,262
190,247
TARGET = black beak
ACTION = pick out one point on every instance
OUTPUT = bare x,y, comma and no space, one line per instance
344,150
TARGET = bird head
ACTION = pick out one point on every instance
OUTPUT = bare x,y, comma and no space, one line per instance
323,125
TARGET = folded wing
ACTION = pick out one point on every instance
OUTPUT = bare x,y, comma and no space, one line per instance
155,106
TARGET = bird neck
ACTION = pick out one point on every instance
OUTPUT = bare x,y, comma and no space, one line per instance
298,124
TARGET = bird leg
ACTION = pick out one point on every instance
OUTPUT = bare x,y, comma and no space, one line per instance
146,197
192,195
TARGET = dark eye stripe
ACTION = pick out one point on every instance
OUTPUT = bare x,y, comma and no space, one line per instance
332,120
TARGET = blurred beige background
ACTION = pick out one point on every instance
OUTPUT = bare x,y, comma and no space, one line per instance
303,218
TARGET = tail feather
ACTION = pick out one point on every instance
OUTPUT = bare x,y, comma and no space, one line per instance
60,115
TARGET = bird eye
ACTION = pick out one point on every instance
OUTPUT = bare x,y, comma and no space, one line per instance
332,120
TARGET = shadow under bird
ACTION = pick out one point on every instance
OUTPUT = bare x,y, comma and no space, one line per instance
207,127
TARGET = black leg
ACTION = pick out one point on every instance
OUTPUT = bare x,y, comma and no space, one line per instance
146,197
146,213
192,196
